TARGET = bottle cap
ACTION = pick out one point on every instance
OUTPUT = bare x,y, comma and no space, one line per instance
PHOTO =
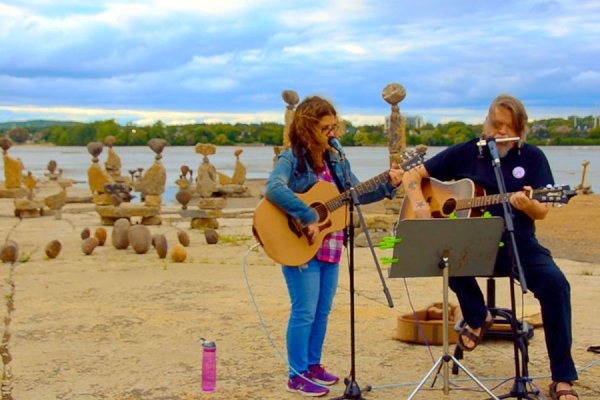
207,344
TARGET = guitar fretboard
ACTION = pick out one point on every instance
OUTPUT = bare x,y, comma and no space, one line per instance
361,188
481,201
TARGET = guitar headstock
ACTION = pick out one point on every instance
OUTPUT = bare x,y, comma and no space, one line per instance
558,194
413,158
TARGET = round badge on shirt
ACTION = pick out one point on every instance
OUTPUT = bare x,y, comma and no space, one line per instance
518,172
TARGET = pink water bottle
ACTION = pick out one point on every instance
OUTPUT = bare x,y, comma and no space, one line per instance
209,365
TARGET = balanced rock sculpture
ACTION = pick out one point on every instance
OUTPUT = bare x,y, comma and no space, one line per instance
13,171
183,238
159,241
88,245
53,249
9,252
140,238
120,234
178,254
100,234
211,236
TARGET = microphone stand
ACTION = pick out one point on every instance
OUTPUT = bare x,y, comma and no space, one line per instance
353,390
519,389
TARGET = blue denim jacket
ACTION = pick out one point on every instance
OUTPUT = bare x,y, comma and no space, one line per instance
285,180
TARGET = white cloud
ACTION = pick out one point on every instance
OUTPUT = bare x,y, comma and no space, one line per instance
209,84
213,60
353,48
240,54
8,11
587,78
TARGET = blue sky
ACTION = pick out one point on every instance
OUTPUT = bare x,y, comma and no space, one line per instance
186,61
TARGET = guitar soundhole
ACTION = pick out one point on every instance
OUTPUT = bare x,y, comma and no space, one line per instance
321,211
449,206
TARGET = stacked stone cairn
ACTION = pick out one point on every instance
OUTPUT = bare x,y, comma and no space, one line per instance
583,187
12,186
234,186
111,192
394,93
210,200
31,196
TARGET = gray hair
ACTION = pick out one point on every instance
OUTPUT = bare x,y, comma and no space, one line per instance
516,108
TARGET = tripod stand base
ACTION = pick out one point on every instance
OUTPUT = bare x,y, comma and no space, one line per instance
352,391
446,358
519,391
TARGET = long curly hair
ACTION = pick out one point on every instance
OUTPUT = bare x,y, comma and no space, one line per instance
304,131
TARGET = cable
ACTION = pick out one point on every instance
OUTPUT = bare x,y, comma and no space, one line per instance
264,326
388,386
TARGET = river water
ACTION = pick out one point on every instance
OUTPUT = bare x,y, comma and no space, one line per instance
366,161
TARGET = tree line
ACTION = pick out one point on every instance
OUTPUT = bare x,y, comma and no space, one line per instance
555,131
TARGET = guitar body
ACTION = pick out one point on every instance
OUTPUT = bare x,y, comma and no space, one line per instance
283,238
443,197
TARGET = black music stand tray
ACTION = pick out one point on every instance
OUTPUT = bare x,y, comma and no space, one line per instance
446,247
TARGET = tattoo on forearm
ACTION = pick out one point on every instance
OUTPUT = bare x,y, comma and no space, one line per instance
412,185
420,204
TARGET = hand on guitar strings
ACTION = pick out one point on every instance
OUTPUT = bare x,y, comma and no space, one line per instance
312,231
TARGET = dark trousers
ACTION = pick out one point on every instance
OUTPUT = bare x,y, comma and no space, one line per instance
549,285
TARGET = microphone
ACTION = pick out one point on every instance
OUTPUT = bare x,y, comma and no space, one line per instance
484,142
491,144
333,142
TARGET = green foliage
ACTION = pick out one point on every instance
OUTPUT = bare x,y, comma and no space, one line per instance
24,257
19,135
553,131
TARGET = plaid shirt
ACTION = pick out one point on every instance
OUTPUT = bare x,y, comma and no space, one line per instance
331,248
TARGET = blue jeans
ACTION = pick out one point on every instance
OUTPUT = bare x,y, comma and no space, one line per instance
311,289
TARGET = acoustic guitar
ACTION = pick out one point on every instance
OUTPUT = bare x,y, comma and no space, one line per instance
464,198
284,239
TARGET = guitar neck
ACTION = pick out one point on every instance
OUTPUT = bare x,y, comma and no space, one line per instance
481,201
361,188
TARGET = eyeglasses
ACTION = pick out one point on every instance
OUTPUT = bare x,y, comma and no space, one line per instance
327,129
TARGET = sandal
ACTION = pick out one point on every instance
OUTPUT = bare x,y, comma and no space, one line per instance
594,349
557,394
476,339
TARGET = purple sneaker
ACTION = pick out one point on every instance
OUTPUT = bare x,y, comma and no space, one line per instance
318,374
301,385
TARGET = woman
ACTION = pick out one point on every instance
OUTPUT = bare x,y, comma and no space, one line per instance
312,286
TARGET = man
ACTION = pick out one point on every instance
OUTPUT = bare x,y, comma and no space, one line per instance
523,167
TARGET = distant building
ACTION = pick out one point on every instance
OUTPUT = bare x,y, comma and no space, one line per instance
415,121
596,122
582,128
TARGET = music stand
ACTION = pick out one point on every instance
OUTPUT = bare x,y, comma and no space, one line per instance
446,247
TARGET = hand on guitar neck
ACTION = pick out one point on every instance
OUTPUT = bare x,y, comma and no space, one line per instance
524,202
